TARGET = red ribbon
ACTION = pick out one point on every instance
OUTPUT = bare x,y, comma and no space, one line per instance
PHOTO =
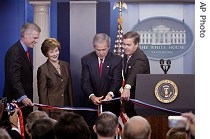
20,118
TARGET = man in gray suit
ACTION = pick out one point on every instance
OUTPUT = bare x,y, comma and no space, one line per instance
136,62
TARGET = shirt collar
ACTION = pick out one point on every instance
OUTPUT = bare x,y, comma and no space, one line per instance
100,59
24,46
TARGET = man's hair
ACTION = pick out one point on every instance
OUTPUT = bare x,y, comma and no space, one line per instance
33,116
132,34
71,125
137,127
28,28
43,129
176,133
101,38
106,124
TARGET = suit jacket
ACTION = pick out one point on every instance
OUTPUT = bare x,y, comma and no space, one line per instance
138,63
53,88
111,79
18,74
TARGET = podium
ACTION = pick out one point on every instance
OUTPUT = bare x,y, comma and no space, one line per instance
175,92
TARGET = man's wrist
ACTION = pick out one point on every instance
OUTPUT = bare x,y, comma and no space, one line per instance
127,86
14,125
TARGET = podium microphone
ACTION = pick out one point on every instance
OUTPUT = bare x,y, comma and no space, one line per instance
168,62
165,67
161,64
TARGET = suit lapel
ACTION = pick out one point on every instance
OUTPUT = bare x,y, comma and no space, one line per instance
23,53
52,69
96,74
131,60
106,67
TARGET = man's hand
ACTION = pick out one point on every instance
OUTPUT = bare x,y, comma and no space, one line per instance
13,118
191,121
27,102
96,100
108,97
125,95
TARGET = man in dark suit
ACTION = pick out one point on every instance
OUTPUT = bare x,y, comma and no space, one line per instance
19,70
101,86
135,62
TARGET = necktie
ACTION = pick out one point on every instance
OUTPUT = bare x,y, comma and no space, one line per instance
28,56
126,64
100,66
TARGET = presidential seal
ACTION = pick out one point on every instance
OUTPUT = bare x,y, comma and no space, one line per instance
166,91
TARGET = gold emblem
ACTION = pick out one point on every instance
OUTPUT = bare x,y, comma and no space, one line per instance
166,91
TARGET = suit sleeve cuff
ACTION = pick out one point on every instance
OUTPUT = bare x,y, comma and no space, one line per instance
111,94
127,86
16,129
91,95
21,98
